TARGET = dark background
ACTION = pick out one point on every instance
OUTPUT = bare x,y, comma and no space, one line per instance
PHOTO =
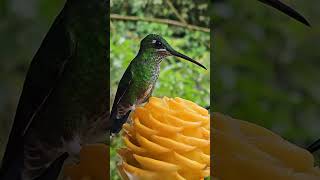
267,67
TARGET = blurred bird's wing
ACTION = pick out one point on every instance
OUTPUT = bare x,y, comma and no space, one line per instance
286,9
43,75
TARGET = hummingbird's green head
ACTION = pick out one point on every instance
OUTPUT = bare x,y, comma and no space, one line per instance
158,47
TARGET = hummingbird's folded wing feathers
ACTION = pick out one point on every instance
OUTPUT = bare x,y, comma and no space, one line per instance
123,86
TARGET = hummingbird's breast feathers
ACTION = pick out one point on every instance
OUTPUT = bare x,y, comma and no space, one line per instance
146,71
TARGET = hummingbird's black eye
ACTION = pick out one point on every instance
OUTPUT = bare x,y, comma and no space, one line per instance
158,44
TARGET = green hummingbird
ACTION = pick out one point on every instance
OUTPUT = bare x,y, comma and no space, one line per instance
139,79
286,9
65,101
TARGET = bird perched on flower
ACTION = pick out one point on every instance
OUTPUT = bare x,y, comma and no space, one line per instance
139,79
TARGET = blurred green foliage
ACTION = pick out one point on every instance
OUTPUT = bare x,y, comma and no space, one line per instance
267,67
177,78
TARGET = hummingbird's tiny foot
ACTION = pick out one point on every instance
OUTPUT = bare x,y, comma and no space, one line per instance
133,107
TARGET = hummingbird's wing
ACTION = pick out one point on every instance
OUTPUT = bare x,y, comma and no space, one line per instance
123,87
121,106
286,9
43,75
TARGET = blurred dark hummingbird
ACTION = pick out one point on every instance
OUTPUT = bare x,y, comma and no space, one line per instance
65,99
139,79
286,9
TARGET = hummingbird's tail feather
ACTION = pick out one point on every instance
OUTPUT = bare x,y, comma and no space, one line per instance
314,146
117,122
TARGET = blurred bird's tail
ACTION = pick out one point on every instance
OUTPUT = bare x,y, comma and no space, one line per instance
13,170
52,173
314,146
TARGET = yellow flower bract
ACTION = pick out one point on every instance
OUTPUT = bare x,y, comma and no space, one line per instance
246,151
166,139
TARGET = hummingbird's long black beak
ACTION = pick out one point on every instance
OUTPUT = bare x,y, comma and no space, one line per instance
177,54
286,9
